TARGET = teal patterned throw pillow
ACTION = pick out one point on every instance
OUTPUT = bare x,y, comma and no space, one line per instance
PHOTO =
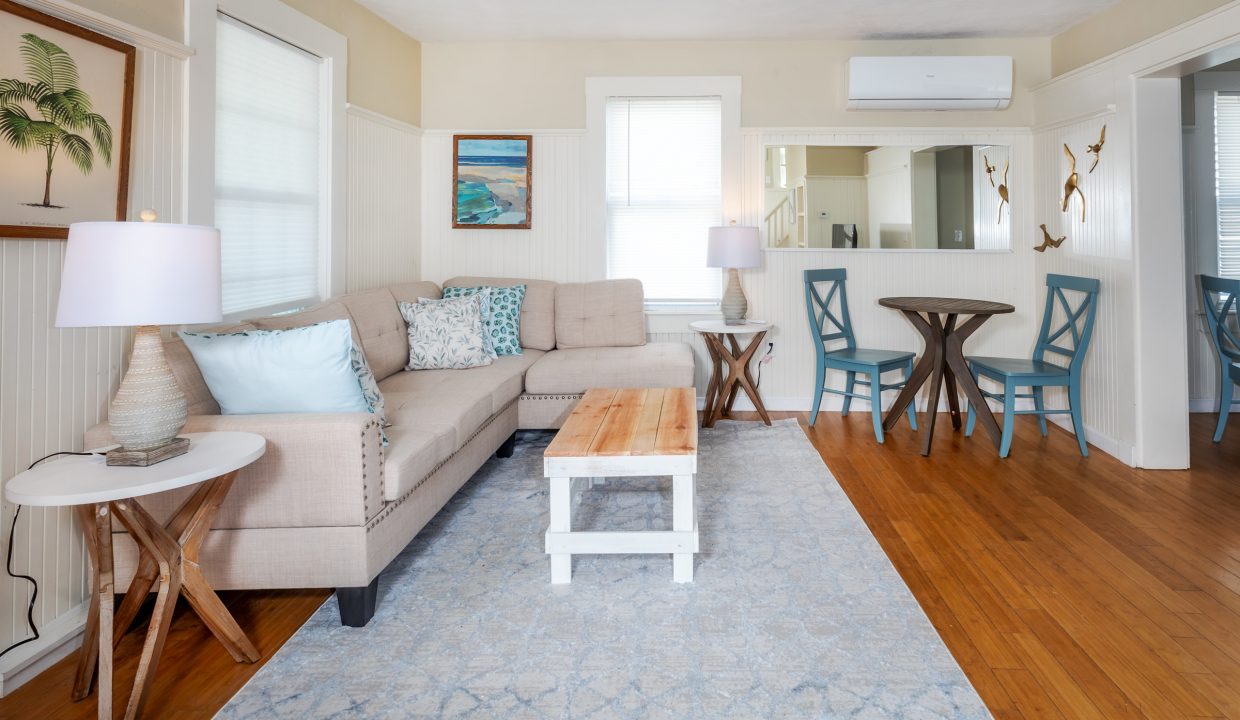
503,321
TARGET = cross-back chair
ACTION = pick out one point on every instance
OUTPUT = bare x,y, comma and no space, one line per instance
1037,373
1219,299
826,304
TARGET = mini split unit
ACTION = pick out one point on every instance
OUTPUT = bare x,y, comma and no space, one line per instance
930,83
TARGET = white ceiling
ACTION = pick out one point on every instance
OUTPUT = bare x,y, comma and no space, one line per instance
457,20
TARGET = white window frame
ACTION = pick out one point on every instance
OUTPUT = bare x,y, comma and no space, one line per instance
594,159
282,22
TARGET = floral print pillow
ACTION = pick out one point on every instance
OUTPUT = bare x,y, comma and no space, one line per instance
370,389
502,320
446,334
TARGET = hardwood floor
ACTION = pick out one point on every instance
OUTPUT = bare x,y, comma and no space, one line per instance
1065,587
196,675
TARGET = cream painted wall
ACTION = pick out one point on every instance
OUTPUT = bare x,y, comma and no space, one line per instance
385,65
785,83
836,161
1124,24
162,17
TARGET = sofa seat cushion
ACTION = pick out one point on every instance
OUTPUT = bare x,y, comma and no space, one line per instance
574,370
503,379
413,452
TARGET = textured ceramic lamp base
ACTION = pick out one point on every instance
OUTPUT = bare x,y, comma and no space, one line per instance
149,408
734,305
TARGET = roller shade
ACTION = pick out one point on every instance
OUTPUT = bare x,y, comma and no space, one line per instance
664,192
268,159
1227,181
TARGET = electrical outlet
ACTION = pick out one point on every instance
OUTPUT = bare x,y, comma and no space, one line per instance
960,236
770,353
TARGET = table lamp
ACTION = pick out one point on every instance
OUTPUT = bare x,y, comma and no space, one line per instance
142,275
734,247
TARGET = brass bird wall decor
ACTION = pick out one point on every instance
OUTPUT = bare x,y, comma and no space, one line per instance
1071,185
1048,241
990,170
1003,191
1096,149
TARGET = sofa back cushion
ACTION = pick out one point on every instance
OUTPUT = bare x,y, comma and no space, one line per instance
608,313
411,292
189,378
378,323
537,309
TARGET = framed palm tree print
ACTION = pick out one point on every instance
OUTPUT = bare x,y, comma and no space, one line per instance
491,181
66,108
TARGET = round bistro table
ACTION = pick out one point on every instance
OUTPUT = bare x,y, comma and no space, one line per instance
168,554
730,367
935,318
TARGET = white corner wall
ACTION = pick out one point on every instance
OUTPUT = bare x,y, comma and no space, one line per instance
55,383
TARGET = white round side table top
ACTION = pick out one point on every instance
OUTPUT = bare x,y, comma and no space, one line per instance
83,479
718,326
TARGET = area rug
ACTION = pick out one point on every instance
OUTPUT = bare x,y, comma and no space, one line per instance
794,612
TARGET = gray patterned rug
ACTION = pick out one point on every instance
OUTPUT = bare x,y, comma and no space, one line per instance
795,611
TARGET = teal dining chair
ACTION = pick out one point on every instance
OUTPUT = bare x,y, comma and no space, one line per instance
1218,297
1037,373
828,325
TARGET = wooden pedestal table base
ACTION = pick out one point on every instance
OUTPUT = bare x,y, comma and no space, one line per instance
942,362
168,554
730,367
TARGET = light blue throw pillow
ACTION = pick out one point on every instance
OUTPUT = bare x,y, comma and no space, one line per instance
304,369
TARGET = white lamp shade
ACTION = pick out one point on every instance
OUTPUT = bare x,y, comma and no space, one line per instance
734,246
128,273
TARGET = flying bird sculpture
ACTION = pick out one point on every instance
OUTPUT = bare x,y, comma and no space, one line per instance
1071,185
1096,149
1048,241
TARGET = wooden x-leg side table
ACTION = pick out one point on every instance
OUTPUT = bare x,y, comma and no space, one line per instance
168,554
730,367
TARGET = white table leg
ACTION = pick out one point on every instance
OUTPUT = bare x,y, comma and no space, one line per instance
684,519
561,521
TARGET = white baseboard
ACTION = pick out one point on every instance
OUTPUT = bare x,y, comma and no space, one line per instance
56,640
1208,405
834,403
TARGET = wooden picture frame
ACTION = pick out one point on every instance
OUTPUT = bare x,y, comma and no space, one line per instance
112,156
491,192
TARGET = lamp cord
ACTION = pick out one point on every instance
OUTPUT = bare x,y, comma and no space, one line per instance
8,564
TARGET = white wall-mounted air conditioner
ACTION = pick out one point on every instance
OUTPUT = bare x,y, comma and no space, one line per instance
930,83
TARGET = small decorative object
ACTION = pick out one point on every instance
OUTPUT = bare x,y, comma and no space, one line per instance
734,247
491,181
1048,241
990,170
1003,191
145,275
66,102
1071,185
1096,149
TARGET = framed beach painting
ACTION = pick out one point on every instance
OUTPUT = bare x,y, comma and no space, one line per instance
66,109
491,181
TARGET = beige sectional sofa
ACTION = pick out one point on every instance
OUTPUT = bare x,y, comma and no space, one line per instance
329,506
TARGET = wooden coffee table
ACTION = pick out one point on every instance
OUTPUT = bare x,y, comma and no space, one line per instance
625,433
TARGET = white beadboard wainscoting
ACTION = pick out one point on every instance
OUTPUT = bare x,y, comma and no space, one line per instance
1095,248
55,383
384,201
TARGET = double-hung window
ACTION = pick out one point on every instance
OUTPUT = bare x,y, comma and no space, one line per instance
663,193
271,187
1227,181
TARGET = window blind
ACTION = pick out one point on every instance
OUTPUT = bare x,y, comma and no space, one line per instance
268,191
1227,181
664,191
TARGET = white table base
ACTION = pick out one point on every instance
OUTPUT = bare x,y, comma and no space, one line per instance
569,477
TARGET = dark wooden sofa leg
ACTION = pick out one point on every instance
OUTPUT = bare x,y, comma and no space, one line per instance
505,450
357,604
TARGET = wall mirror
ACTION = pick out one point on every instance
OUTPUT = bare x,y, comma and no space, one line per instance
943,197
